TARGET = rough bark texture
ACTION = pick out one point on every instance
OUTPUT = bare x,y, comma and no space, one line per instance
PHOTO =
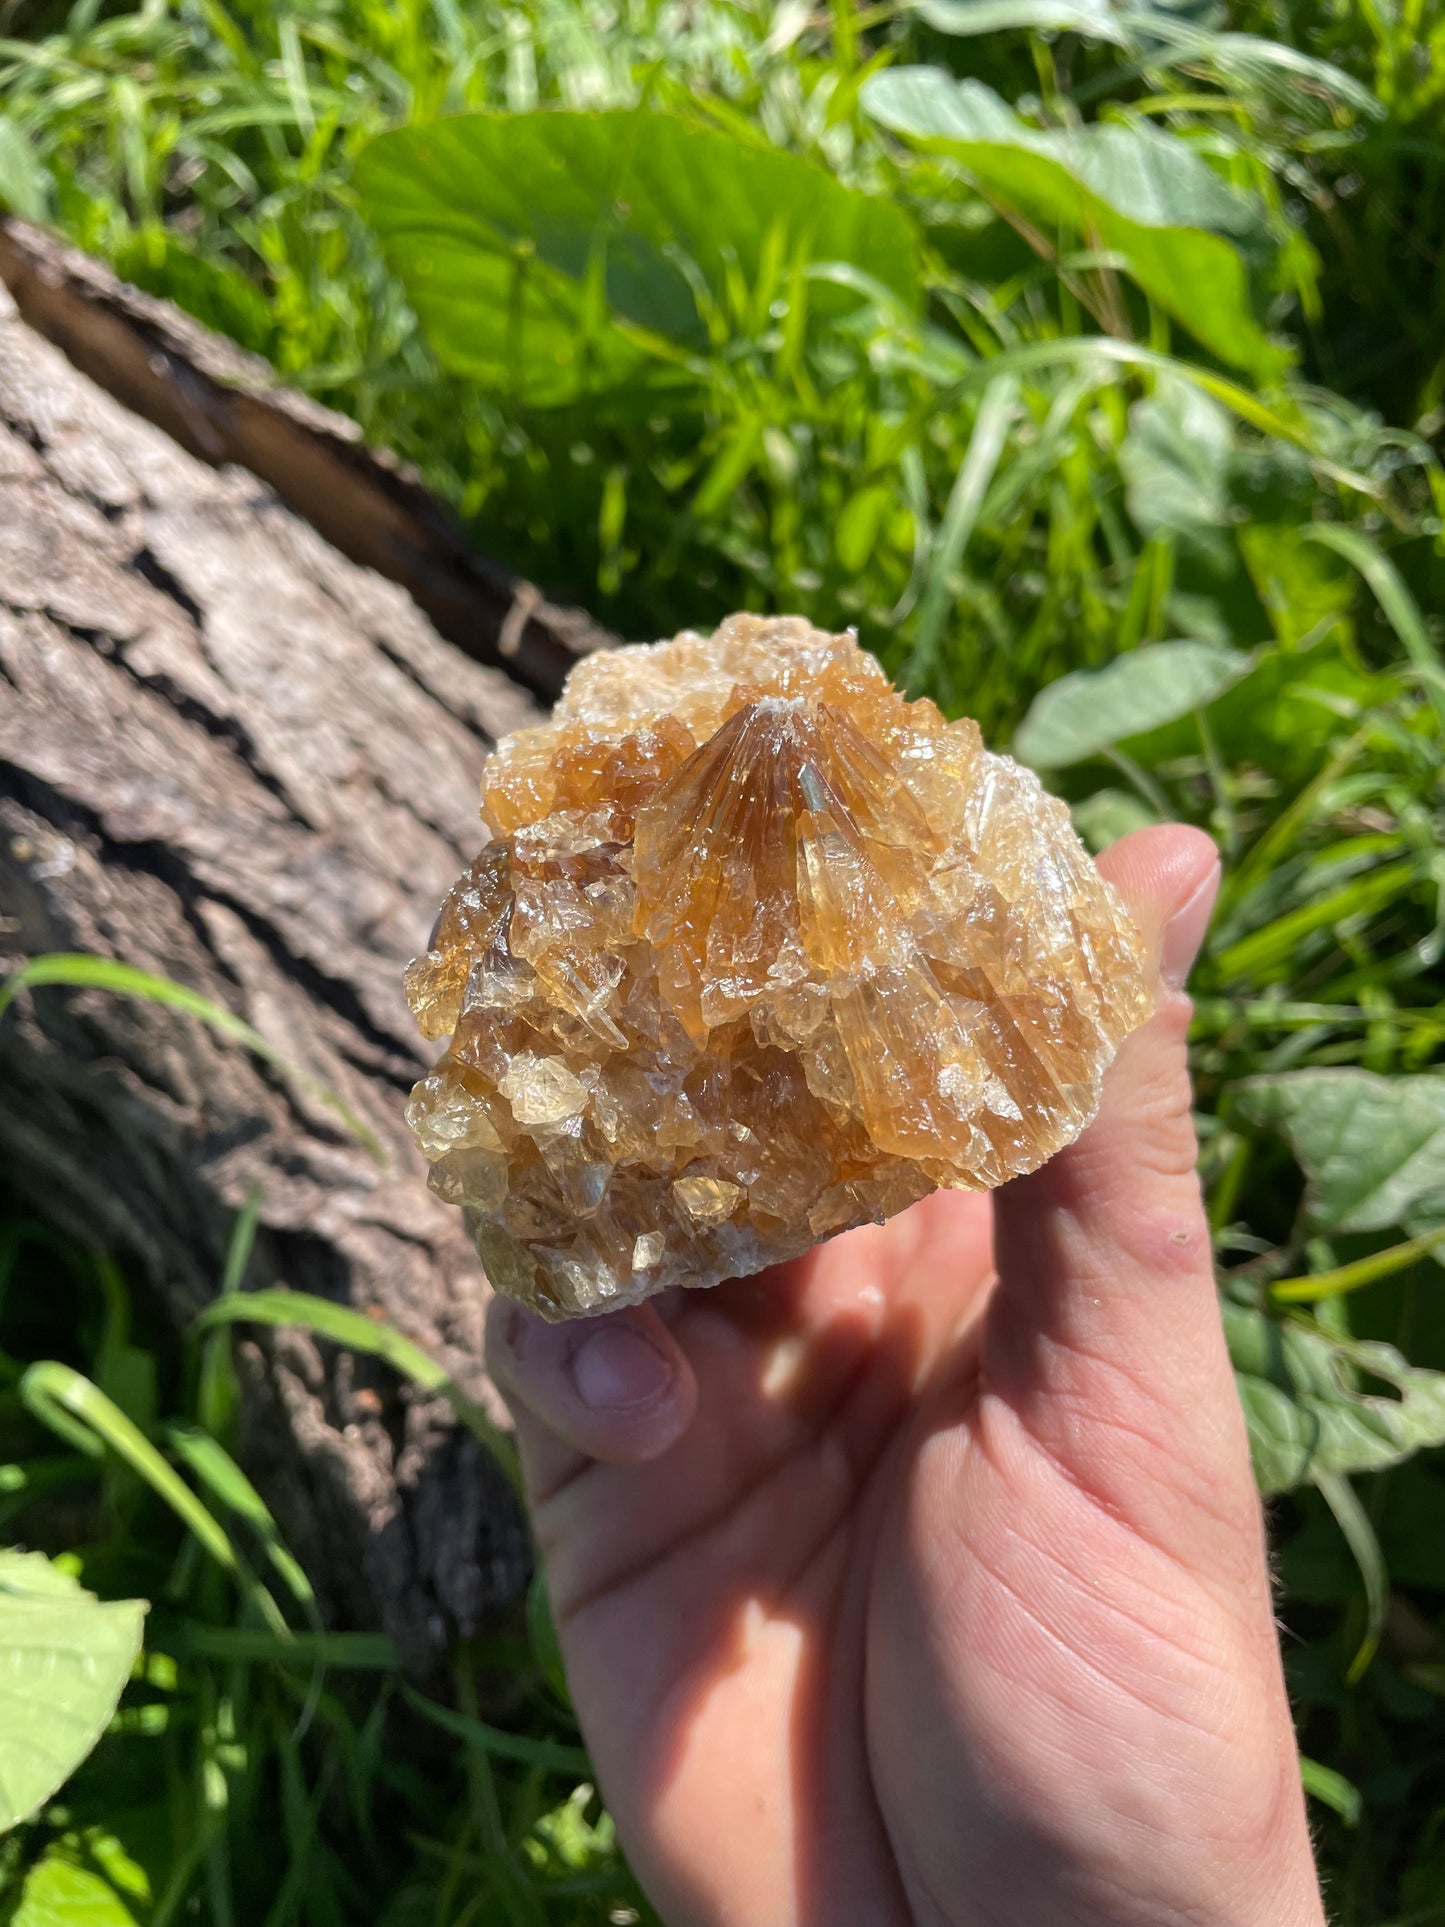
230,756
225,406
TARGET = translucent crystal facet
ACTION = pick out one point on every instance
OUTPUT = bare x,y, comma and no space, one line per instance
759,951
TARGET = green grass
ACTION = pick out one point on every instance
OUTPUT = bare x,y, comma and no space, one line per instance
259,1769
1020,463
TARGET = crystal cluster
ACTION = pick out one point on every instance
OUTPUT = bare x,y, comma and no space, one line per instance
758,951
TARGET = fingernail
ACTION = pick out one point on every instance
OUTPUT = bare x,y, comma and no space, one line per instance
616,1369
1184,932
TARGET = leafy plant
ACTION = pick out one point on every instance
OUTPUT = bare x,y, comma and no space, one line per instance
1089,712
556,255
257,1767
1103,394
1372,1148
1133,193
1308,1414
68,1656
65,1657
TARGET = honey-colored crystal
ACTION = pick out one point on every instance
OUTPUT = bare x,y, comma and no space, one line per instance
758,951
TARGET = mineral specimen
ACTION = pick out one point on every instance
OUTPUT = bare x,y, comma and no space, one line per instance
759,951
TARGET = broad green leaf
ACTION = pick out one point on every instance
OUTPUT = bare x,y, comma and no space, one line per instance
1250,60
25,183
1149,178
554,254
1307,1412
65,1657
1372,1148
1161,32
1108,814
59,1892
1097,19
1175,461
1092,709
86,1878
1143,195
565,1838
1282,716
1112,21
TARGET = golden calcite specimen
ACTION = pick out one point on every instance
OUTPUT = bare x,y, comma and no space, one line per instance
758,951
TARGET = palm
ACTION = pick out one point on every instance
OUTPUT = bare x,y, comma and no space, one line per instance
714,1605
945,1602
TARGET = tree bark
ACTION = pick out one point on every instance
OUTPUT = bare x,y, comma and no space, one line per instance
226,407
231,756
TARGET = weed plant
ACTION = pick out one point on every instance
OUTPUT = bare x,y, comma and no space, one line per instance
1147,485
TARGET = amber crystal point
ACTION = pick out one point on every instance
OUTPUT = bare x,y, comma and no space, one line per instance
758,951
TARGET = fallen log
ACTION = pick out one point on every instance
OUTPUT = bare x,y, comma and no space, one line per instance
235,758
225,406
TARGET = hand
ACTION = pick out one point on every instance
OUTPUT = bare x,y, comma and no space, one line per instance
923,1579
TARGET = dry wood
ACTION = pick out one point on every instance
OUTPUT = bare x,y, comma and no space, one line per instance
226,406
229,755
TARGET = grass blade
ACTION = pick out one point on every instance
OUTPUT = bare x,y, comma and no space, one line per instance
1080,349
214,1468
350,1652
82,972
73,1407
975,472
346,1326
216,1393
1400,608
1332,1789
1353,1521
1351,1277
551,1755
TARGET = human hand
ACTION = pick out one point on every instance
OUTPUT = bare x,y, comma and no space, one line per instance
895,1591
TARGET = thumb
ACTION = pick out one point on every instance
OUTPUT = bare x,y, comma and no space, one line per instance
1104,1336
